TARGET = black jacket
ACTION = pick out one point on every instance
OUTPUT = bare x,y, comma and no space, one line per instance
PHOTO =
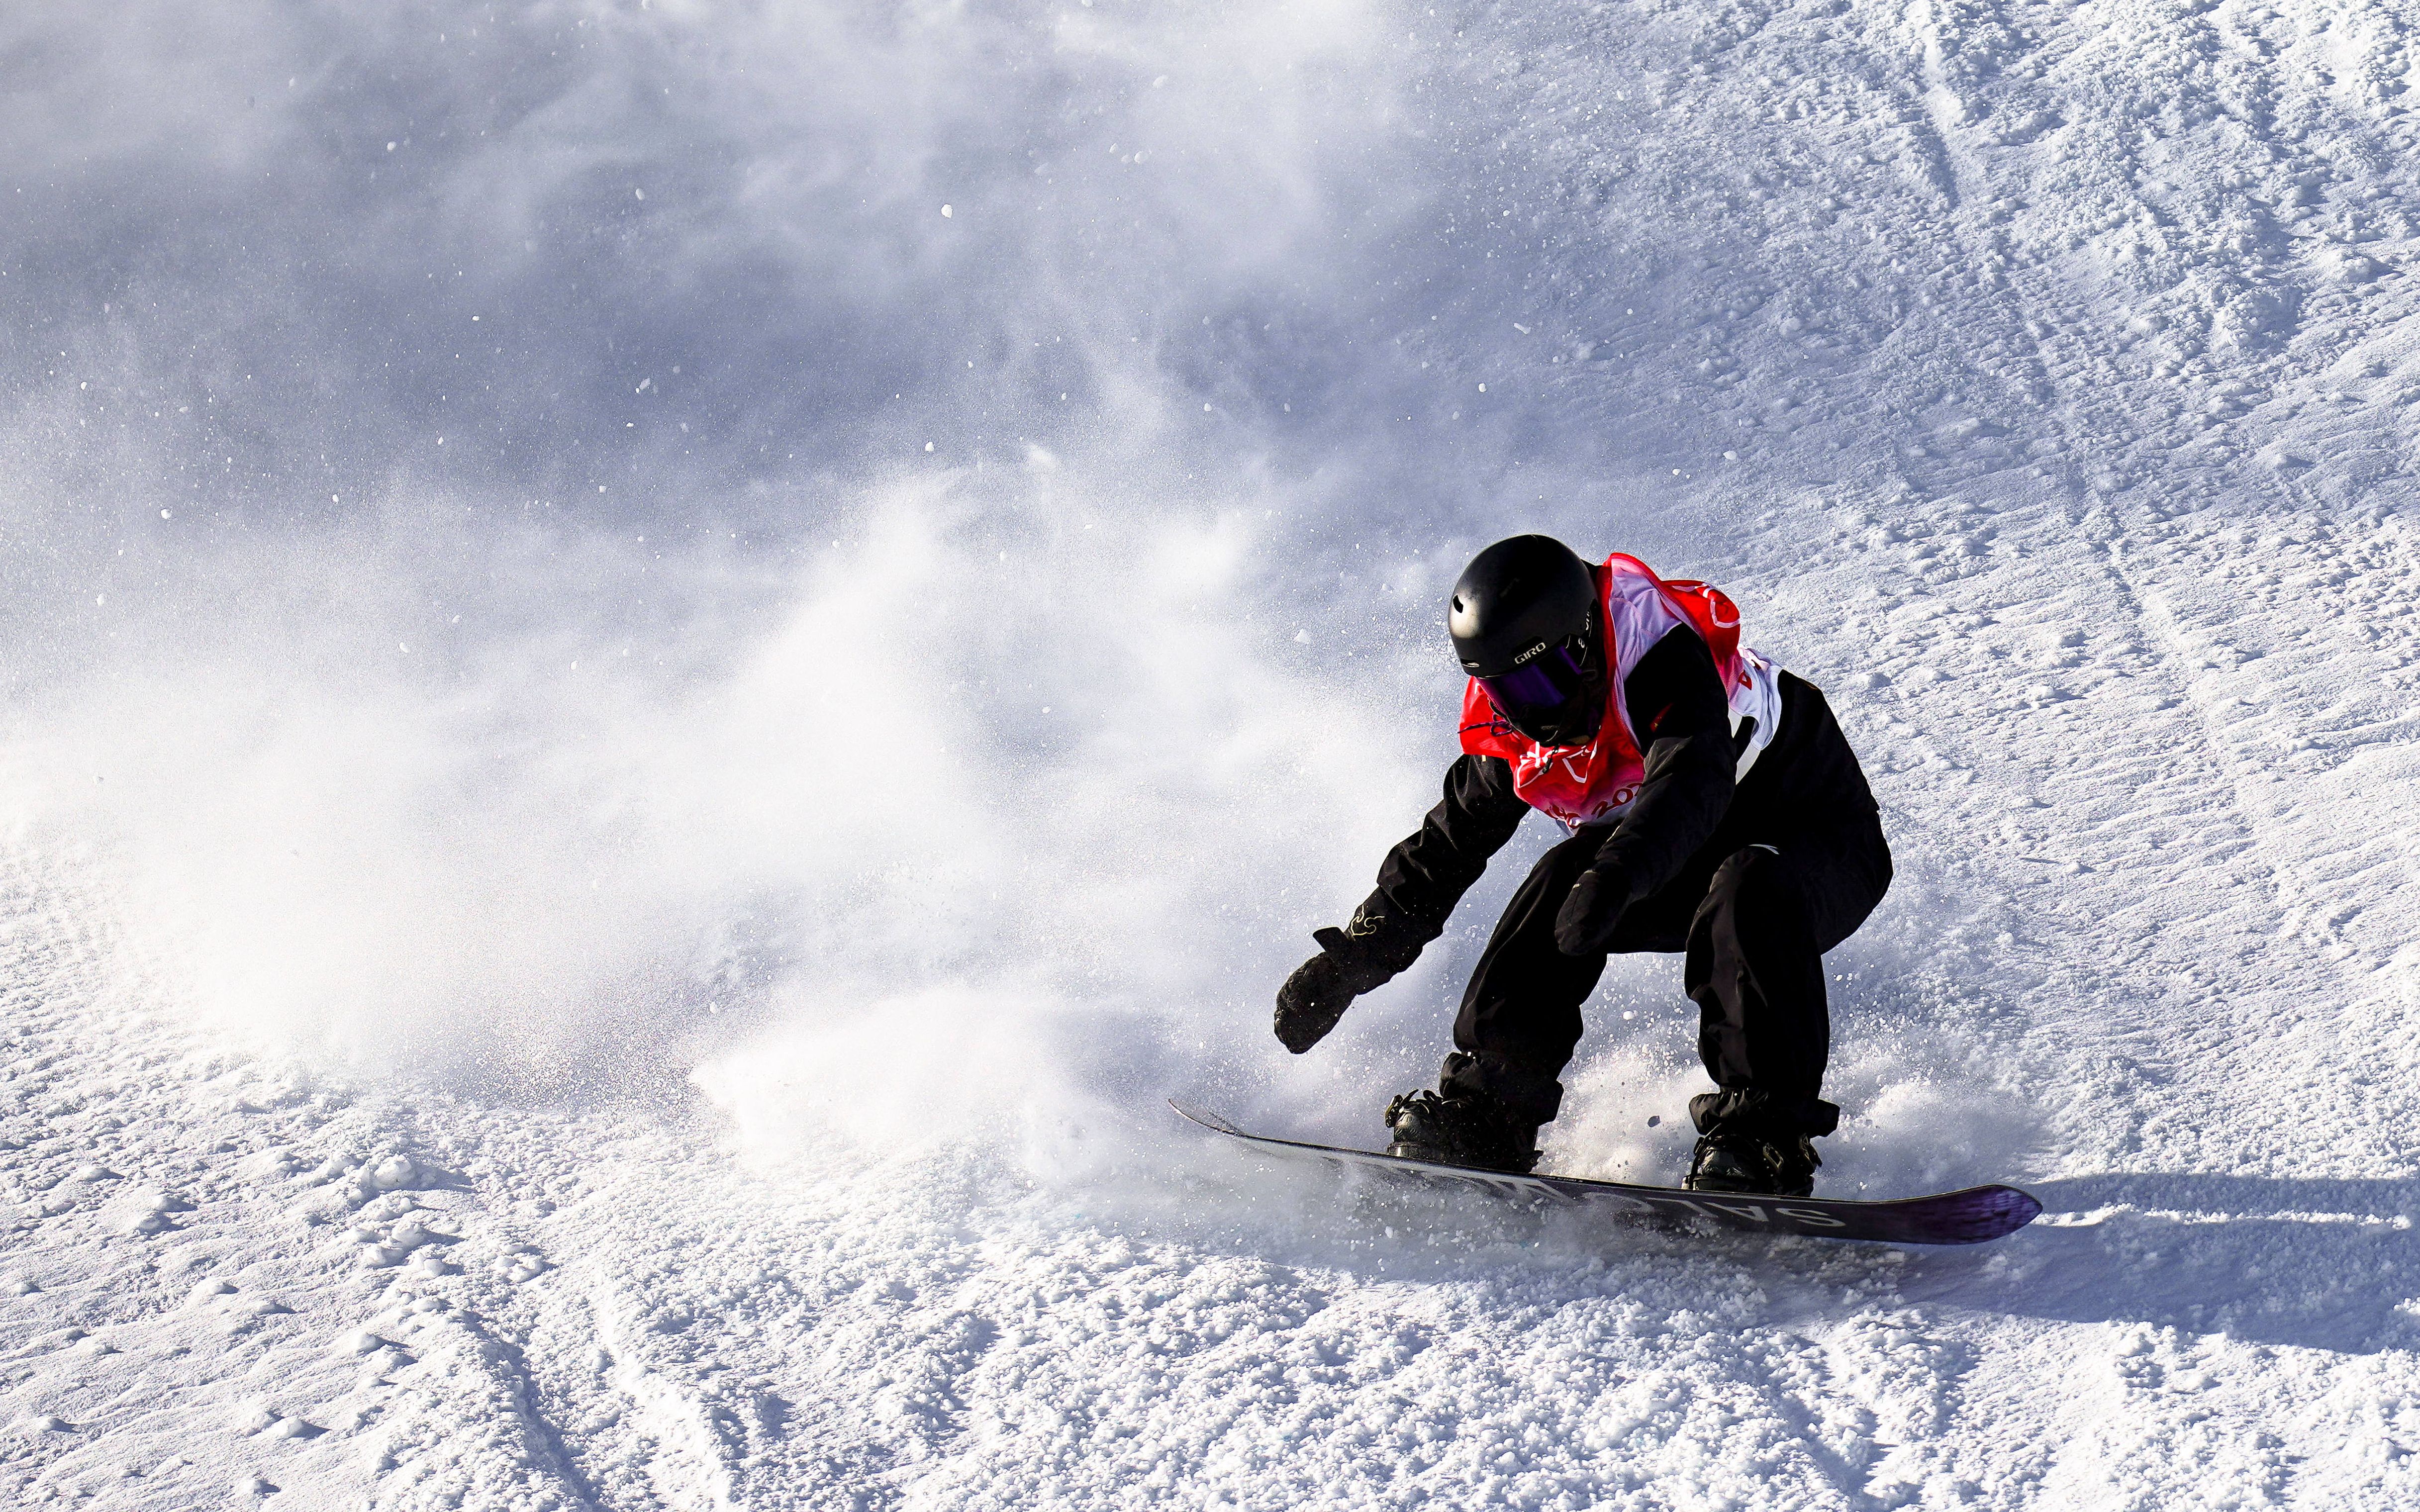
1677,704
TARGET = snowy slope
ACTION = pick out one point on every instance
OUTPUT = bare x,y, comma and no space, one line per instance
634,758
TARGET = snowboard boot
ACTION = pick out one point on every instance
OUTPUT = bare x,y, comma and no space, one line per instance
1465,1129
1751,1164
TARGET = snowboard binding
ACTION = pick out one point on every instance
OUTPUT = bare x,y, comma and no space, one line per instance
1463,1129
1753,1164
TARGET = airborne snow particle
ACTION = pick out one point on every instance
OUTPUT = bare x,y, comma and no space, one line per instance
945,212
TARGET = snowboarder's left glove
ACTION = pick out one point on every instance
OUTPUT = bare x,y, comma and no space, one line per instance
1323,987
1584,925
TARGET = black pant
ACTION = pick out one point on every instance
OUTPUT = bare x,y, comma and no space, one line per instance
1785,878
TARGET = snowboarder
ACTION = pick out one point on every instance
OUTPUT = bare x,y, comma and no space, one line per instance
1713,807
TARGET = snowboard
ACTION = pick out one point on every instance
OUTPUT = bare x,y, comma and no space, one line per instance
1972,1216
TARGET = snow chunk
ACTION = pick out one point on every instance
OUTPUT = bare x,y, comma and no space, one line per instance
411,1232
527,1267
386,1361
2348,266
144,1211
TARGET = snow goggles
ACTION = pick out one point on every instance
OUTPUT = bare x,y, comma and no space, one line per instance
1547,698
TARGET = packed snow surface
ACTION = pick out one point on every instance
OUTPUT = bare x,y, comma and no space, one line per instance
667,663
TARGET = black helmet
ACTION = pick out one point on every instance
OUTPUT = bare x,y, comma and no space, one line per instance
1523,619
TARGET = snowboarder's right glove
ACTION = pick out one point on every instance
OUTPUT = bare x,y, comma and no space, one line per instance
1323,987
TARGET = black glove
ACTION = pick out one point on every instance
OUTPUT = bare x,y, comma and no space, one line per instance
1323,987
1584,925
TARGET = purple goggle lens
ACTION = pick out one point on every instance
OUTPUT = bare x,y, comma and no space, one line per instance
1533,695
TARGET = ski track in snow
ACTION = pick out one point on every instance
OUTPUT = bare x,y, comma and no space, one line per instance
2063,354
